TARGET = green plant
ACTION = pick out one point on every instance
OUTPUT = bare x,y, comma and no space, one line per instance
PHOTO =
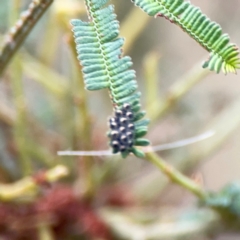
99,52
57,113
223,55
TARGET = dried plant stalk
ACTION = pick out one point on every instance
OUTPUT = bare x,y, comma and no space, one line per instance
18,33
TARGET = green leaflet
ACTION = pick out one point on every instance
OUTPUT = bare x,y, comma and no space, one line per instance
223,55
227,200
103,66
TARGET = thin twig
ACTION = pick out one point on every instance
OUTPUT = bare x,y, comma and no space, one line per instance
20,31
157,148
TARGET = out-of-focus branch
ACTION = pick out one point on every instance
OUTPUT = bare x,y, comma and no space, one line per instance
150,65
20,125
224,125
20,31
177,91
41,73
40,151
130,30
29,185
199,223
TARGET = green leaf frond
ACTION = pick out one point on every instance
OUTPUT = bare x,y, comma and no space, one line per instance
227,200
223,55
100,53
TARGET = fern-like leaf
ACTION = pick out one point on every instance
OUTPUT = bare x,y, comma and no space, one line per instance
223,55
100,53
226,201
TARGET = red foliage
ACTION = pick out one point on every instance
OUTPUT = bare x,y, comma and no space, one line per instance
66,214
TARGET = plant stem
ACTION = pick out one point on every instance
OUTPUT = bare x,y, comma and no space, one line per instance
130,30
150,65
224,125
41,73
28,185
176,92
175,176
20,125
21,30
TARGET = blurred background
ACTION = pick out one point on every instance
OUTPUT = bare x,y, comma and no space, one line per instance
44,109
